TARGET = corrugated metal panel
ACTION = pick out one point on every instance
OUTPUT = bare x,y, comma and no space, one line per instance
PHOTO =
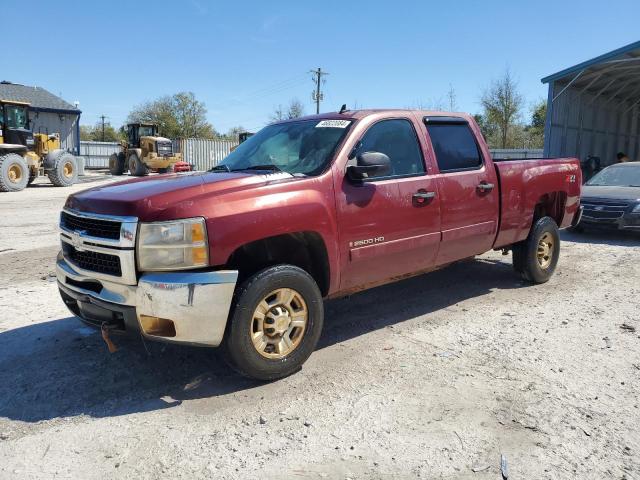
501,153
584,124
97,154
203,153
64,124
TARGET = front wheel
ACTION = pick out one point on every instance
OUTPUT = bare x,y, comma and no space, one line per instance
63,170
275,323
535,258
136,166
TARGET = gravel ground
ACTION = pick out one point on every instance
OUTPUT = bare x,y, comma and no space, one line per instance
432,377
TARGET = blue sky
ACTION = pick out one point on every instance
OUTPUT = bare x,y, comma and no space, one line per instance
244,58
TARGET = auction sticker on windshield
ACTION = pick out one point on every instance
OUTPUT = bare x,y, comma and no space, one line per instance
333,124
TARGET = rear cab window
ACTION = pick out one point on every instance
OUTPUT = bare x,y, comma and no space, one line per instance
454,144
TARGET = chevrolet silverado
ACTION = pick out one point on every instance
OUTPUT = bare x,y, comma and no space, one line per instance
242,256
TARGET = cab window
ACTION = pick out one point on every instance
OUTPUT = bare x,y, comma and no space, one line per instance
16,116
397,139
455,146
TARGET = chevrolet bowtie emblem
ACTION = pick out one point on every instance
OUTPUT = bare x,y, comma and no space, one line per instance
76,239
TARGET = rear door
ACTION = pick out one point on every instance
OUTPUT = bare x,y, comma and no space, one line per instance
389,226
468,189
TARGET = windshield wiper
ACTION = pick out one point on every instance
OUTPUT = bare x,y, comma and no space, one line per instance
220,168
266,166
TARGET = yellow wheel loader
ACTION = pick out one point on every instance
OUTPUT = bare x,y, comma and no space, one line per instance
24,155
143,151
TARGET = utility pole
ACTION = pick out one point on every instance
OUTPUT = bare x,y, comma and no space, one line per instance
102,117
316,95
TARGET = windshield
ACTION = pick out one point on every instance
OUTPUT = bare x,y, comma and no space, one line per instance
303,147
146,131
16,116
617,176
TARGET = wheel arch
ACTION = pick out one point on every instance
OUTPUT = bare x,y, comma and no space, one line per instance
306,250
552,205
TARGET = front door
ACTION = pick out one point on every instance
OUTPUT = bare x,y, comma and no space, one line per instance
468,188
389,226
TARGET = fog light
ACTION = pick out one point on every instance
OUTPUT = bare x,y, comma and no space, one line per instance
157,327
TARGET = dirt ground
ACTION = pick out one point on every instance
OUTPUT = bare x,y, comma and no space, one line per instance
432,377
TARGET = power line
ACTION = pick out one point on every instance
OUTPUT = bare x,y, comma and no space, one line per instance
316,95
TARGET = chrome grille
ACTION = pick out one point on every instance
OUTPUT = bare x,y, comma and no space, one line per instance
604,209
91,226
93,261
100,246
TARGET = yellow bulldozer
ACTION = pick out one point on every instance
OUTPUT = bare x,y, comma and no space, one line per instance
24,155
144,150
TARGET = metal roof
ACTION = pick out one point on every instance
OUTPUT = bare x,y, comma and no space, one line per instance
613,74
37,97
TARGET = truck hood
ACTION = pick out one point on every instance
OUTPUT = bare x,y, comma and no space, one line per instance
614,193
155,197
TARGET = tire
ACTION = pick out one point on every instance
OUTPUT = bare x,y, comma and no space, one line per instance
529,258
116,163
165,170
14,173
63,168
136,167
238,347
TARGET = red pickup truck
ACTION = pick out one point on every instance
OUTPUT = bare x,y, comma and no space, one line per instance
242,256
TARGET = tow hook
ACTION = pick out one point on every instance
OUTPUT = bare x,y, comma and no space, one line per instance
104,329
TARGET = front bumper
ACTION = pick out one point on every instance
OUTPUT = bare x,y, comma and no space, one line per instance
184,307
628,221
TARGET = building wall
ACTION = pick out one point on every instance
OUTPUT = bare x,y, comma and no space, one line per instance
63,123
582,124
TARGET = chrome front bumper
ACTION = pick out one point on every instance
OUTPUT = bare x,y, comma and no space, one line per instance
195,304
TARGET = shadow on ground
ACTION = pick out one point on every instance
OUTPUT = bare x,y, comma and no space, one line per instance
62,368
601,236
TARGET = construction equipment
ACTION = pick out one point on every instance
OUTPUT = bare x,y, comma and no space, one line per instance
24,155
143,150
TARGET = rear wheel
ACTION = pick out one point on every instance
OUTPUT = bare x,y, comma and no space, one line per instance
64,169
116,163
274,324
535,258
14,173
136,166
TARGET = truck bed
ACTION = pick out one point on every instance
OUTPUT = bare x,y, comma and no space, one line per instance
532,186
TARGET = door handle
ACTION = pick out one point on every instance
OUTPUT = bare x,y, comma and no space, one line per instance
485,187
421,197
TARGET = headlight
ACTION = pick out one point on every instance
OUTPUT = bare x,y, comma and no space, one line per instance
636,209
175,245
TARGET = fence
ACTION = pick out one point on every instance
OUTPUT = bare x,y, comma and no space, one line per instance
500,153
203,153
96,154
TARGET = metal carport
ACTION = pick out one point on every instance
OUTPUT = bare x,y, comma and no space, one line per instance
593,108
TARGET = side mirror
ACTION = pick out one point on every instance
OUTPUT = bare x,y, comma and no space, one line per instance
369,164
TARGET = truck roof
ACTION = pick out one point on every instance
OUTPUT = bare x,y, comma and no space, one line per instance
359,114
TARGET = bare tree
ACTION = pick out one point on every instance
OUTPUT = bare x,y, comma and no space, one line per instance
295,110
502,104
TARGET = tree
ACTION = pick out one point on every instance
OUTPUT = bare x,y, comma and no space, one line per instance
94,133
502,104
233,133
178,116
295,110
535,130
